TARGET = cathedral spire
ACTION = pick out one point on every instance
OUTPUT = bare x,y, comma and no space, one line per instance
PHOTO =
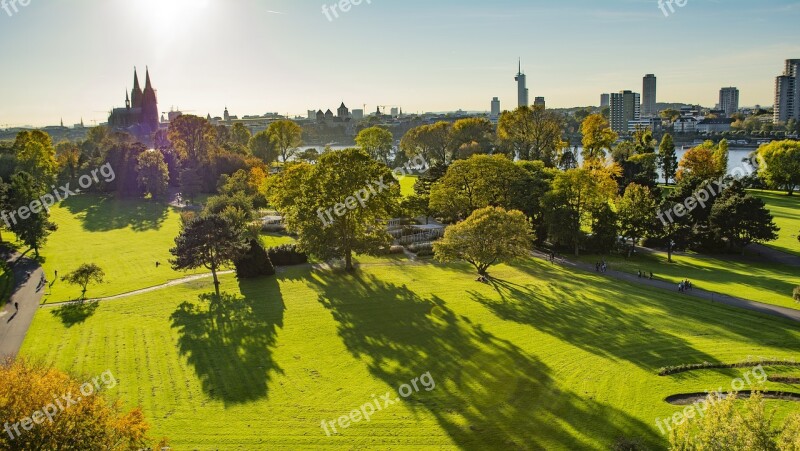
136,93
147,84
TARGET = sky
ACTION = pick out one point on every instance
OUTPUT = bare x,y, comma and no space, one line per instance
74,59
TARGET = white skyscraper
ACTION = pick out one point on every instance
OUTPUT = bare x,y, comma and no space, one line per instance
522,89
495,108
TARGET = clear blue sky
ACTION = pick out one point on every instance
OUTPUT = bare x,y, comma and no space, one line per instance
75,58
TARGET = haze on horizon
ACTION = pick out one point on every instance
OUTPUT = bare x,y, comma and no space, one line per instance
75,59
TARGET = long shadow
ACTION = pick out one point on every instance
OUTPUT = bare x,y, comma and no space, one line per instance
608,330
489,393
77,313
229,340
104,213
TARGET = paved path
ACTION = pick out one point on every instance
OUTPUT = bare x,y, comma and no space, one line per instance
27,293
774,255
767,309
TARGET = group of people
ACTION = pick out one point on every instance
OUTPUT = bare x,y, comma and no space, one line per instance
685,285
641,275
601,266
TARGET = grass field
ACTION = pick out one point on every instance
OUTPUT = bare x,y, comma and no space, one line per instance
762,282
786,211
544,359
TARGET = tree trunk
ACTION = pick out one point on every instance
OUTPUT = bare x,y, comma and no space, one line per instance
348,258
216,281
577,249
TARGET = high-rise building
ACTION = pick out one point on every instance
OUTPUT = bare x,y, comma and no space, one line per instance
729,100
358,114
522,89
605,100
625,107
495,108
395,112
649,95
539,101
787,92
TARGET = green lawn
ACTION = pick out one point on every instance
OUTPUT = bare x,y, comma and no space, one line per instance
786,210
763,282
124,237
545,359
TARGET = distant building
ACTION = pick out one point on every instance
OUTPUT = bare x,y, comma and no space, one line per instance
787,93
729,100
539,101
495,108
685,125
140,115
718,125
312,115
625,107
358,115
522,87
605,100
343,112
649,95
395,112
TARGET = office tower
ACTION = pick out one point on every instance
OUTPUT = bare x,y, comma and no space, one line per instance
495,108
605,100
539,101
787,93
729,100
649,95
522,89
625,107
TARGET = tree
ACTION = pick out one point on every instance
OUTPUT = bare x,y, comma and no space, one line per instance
478,182
725,425
636,210
193,138
576,194
667,158
670,114
598,137
68,156
377,142
210,242
286,136
433,142
32,223
721,157
796,294
261,146
779,165
742,219
700,162
95,423
4,205
239,138
310,155
190,183
83,276
489,236
37,156
254,263
153,173
471,136
532,133
338,207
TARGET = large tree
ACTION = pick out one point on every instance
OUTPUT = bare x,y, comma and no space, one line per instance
153,173
194,139
36,156
338,207
433,142
32,222
576,194
779,165
209,241
637,211
287,136
742,219
702,162
489,236
598,137
377,142
471,136
667,158
532,133
261,146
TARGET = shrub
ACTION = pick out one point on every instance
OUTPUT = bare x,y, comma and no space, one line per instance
287,255
396,250
421,247
254,263
796,294
628,444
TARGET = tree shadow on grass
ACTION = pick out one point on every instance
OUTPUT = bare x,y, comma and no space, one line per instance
77,313
229,340
104,213
489,393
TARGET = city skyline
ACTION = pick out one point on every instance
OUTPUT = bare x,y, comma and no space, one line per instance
205,55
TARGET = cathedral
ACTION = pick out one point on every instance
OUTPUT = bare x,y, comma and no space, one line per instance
140,115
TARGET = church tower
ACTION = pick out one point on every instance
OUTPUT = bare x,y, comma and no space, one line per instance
149,118
136,93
